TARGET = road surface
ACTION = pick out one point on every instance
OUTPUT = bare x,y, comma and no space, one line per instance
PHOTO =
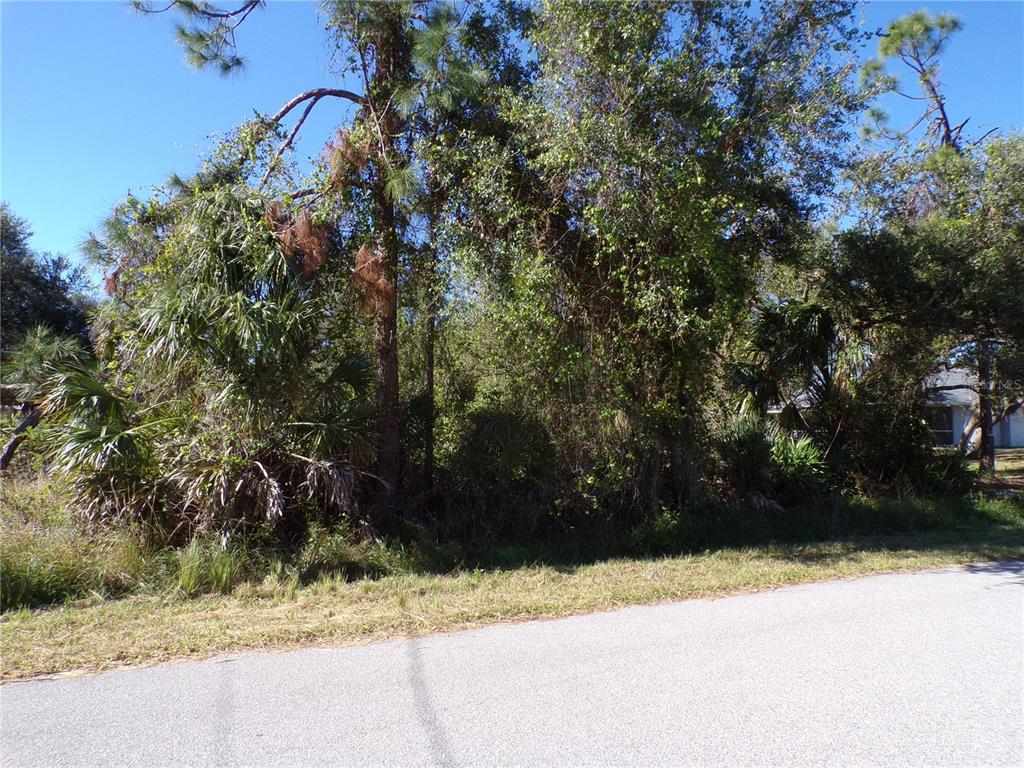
911,669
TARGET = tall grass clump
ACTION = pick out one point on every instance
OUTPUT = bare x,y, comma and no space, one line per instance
46,558
205,567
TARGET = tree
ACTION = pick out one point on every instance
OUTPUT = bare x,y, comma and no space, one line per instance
376,37
666,150
230,395
37,288
955,200
407,55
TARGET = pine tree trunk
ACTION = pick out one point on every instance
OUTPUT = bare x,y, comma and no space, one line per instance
428,356
391,69
389,445
987,448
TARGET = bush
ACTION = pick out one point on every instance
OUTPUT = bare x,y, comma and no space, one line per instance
761,459
746,452
799,467
949,472
499,476
885,447
337,552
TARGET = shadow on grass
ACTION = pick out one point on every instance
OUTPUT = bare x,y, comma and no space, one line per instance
821,533
818,533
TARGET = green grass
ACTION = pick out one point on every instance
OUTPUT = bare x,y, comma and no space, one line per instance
47,557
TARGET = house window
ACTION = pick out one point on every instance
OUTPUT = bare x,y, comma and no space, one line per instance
941,421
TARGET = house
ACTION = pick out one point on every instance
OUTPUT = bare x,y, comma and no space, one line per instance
952,403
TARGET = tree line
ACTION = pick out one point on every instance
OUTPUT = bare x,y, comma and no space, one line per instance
567,267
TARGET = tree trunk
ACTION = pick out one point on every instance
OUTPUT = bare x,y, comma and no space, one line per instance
987,448
682,471
654,481
428,356
389,444
30,417
389,439
391,68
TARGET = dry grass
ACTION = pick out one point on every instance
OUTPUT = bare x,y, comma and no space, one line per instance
1010,466
1008,481
279,613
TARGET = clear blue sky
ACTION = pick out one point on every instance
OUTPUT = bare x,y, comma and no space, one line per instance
96,100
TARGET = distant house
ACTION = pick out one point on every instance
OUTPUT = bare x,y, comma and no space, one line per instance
952,403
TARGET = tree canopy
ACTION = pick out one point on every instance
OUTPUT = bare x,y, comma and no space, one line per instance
566,266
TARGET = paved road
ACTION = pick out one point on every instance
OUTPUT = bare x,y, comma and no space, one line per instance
914,669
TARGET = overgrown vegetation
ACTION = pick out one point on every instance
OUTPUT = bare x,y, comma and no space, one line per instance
573,281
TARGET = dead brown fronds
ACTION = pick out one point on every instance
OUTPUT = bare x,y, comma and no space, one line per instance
347,156
111,282
371,279
302,241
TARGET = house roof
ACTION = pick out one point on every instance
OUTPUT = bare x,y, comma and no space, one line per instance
962,396
957,390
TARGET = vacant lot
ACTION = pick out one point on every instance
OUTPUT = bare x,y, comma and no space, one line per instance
142,609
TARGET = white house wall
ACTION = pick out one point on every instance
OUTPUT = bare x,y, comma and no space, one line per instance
960,418
1010,431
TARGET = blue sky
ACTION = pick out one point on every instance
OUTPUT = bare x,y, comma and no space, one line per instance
96,100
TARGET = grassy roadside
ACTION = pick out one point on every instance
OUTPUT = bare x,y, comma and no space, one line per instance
107,602
278,613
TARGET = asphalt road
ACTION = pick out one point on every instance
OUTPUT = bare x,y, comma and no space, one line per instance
914,669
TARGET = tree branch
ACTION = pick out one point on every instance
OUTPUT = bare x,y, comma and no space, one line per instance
31,415
288,141
312,96
208,12
315,93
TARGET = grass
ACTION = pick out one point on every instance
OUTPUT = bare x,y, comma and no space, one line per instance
46,558
202,600
1009,476
278,612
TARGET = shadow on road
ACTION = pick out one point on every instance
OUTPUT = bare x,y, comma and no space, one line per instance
1014,569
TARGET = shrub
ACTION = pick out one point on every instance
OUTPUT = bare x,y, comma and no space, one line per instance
255,410
746,452
499,476
760,458
798,465
337,552
949,472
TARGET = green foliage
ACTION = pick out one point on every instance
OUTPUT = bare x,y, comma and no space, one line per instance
919,33
340,553
917,40
221,403
208,34
578,238
799,465
39,355
763,462
204,566
38,289
499,475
